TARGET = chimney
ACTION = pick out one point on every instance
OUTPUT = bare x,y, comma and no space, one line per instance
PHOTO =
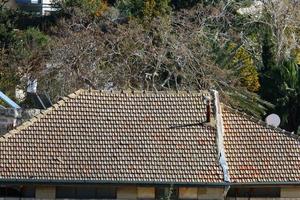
208,109
32,86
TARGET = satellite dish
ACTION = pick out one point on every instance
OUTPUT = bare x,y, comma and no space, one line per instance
273,120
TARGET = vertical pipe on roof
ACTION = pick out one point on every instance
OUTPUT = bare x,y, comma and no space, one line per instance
208,110
220,139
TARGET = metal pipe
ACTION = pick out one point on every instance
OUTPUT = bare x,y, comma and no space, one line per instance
7,100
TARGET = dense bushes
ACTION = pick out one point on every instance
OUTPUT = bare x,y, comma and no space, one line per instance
91,7
144,8
21,51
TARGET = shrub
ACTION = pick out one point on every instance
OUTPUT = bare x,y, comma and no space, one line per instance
91,7
247,72
144,9
27,42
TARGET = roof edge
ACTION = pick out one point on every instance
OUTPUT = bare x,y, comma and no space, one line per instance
79,182
149,92
256,120
265,183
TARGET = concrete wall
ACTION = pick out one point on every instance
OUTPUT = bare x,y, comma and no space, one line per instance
188,193
290,192
146,192
127,192
210,193
201,193
133,192
45,192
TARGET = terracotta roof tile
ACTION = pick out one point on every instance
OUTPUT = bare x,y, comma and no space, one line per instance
259,153
104,136
144,137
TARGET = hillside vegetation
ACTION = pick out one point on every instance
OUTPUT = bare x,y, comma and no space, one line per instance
250,54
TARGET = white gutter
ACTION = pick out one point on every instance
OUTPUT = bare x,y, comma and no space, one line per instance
220,140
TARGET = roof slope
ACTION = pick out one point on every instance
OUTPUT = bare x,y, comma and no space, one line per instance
115,137
258,153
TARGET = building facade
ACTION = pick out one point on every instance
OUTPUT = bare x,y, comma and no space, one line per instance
40,7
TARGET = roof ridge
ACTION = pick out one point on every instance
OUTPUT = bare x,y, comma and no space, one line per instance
150,91
261,122
43,113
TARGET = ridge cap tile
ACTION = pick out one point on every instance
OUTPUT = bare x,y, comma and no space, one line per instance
133,92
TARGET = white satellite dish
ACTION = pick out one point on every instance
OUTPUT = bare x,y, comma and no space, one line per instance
273,120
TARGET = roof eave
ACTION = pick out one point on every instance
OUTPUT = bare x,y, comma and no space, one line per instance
271,183
92,182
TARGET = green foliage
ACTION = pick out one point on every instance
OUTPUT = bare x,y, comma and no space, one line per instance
142,9
90,7
280,78
296,55
33,38
17,49
205,45
268,51
184,3
287,93
131,7
281,86
240,62
244,65
7,20
288,103
178,4
28,42
19,55
155,8
9,77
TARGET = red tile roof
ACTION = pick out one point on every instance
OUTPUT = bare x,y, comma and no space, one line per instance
115,137
258,153
148,138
